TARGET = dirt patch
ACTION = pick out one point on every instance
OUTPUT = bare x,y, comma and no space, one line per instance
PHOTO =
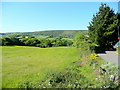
81,63
97,71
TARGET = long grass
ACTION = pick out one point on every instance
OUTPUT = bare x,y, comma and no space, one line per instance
21,63
34,67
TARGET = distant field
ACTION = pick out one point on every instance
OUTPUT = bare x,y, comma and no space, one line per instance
49,33
22,63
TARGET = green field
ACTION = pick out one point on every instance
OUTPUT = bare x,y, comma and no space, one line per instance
55,67
20,63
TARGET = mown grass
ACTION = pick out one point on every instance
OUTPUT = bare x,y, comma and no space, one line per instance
20,63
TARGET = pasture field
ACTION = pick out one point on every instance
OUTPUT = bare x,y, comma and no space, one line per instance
22,63
55,67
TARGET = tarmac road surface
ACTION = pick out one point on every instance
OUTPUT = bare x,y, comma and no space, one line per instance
110,56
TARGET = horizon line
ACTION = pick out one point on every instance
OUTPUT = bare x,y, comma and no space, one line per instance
39,31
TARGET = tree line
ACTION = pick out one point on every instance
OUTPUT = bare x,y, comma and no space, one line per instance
43,43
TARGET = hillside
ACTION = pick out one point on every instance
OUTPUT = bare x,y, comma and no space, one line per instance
51,33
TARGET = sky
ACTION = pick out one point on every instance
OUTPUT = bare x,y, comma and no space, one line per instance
40,16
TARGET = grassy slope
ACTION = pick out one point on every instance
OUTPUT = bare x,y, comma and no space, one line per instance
32,63
44,34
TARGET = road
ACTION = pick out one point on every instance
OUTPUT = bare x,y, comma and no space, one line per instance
110,56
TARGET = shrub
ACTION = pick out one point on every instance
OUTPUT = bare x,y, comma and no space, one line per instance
93,56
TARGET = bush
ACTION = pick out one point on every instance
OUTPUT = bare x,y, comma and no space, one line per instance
11,41
118,50
43,43
31,42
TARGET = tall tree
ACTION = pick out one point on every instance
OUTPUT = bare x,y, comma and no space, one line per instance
103,28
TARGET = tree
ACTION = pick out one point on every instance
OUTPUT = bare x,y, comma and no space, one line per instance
32,42
80,41
66,42
4,41
10,41
15,41
44,43
103,28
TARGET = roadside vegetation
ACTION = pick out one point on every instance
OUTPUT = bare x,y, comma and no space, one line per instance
118,50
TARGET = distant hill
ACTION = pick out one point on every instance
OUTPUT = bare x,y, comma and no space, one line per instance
50,33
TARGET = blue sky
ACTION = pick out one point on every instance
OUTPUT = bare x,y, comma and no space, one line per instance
39,16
